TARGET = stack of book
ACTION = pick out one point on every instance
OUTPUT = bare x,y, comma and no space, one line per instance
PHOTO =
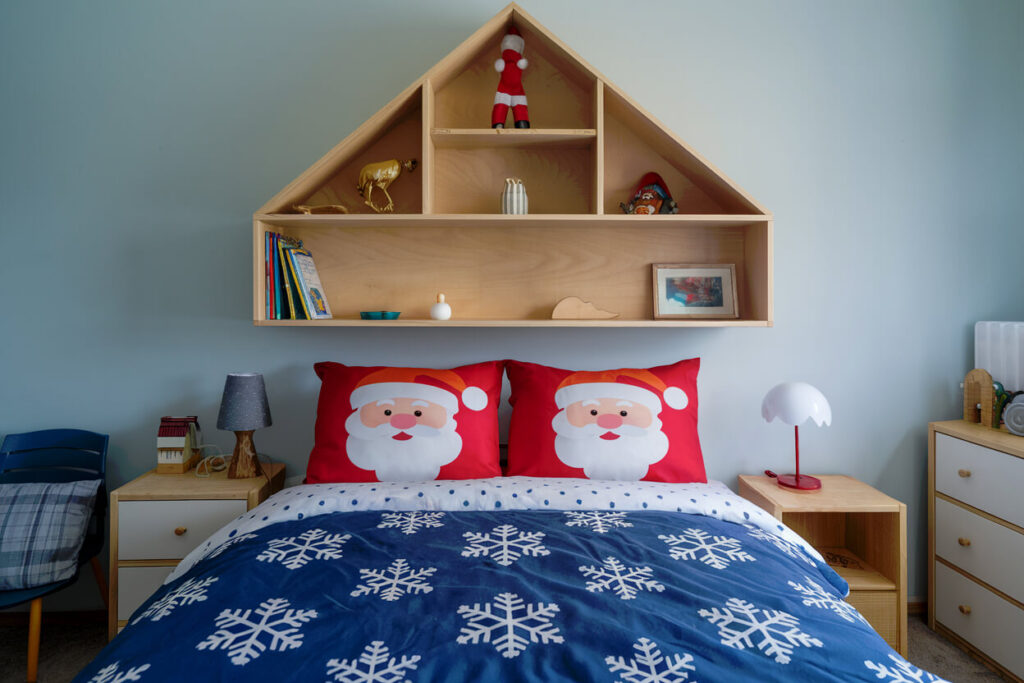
177,444
294,291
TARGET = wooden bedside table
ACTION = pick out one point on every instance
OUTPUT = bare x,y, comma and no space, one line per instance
861,532
157,519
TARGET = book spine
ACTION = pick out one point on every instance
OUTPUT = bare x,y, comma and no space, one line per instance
267,292
279,309
294,256
297,302
287,310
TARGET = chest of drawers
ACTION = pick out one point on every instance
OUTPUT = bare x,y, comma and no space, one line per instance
976,541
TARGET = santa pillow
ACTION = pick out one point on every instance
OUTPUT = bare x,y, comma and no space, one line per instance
626,424
405,424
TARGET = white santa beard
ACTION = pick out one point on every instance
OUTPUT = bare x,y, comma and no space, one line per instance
625,459
417,459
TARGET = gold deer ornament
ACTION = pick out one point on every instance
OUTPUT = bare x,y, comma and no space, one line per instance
380,175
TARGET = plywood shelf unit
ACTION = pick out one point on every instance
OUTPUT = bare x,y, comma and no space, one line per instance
590,146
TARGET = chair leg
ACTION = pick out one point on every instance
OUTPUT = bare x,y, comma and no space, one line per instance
101,581
35,619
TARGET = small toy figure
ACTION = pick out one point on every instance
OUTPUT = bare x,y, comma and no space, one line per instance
510,87
651,197
381,175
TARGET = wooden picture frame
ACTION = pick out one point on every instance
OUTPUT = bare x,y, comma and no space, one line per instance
713,297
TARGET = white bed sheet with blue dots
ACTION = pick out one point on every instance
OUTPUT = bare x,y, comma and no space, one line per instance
713,499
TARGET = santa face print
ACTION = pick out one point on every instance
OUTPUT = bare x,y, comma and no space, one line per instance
609,438
402,439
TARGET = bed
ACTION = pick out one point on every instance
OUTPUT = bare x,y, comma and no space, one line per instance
502,579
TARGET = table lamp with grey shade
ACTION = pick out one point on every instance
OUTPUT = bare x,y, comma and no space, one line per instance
244,409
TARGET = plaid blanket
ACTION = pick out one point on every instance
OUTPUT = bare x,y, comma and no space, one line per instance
42,528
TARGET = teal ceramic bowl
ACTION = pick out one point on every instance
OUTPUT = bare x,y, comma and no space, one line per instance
379,315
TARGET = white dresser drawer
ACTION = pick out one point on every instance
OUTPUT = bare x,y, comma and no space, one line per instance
135,584
987,479
146,528
992,625
989,551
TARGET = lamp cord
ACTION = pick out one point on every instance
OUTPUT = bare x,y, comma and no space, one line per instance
218,462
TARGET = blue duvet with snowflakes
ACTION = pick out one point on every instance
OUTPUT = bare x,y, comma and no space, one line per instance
501,580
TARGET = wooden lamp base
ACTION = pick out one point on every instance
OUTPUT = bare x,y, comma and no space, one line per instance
244,463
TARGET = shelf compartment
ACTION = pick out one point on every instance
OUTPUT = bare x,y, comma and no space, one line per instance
466,322
558,179
634,144
475,138
858,573
559,92
514,271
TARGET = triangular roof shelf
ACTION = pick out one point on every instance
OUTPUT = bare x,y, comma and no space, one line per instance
563,90
587,149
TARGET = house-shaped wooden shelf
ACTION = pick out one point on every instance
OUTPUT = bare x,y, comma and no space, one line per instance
588,148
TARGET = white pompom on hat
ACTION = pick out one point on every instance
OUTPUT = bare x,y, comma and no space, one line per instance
443,387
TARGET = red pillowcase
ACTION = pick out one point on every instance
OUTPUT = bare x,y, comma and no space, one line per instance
626,424
406,424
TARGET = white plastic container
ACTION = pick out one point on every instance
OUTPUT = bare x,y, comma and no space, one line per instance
999,349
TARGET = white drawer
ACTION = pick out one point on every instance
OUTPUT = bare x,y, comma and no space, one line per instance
146,528
993,552
992,482
993,624
135,584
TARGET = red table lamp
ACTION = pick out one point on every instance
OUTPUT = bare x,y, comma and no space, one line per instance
794,403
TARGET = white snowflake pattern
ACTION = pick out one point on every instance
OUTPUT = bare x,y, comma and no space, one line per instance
816,596
230,542
410,522
243,637
650,666
597,521
714,551
187,593
624,581
902,672
740,621
506,545
394,581
297,551
374,665
502,617
779,542
113,674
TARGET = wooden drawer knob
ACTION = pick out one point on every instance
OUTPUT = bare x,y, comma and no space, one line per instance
963,541
964,473
964,609
180,531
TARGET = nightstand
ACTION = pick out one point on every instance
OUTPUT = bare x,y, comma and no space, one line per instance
157,519
861,533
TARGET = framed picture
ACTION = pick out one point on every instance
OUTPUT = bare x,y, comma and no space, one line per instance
684,290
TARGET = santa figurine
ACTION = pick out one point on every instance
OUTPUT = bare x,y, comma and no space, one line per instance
510,87
608,425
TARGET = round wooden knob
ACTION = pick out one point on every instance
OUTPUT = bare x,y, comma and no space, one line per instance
964,473
180,531
963,541
964,609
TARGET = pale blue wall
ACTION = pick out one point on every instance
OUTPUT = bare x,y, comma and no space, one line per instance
138,138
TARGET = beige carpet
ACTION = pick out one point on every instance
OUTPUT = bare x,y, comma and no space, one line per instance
66,649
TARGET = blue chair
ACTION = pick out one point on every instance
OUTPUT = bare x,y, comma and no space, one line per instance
56,455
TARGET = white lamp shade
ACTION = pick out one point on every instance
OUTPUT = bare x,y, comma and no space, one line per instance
794,403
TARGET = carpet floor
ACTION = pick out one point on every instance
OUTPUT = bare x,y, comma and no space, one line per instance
65,649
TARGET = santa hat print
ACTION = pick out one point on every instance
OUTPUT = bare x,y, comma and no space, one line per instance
443,387
513,40
639,386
